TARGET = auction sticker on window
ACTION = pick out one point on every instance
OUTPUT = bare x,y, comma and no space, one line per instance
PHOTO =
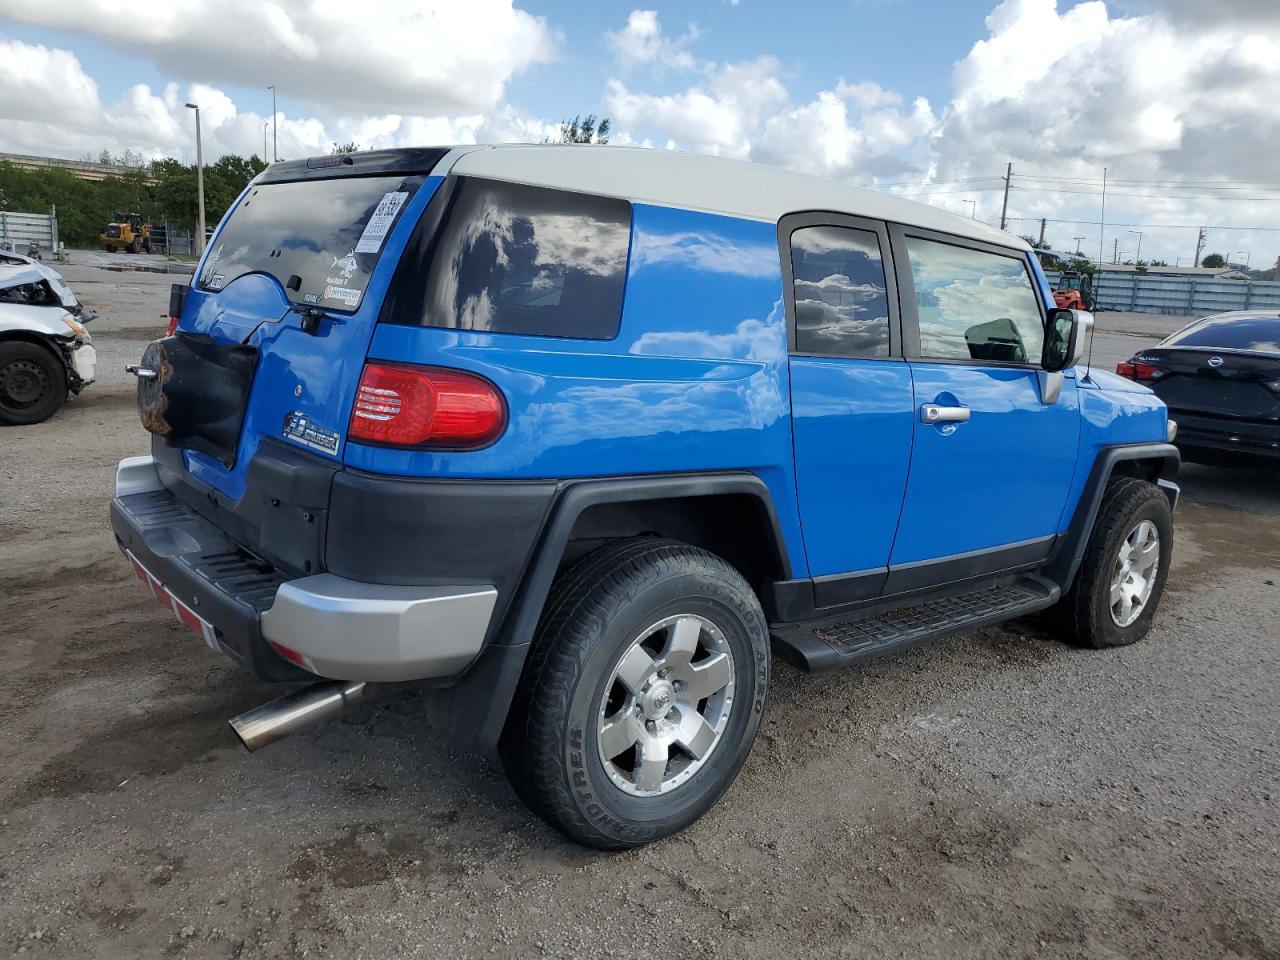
379,224
347,295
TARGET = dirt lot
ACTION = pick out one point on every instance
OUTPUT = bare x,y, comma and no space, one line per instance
995,795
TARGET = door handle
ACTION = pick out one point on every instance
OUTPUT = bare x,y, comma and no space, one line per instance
936,413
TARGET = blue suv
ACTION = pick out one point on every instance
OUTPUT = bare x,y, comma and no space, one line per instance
581,435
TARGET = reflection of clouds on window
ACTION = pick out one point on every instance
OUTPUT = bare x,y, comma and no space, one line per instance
974,305
517,259
839,287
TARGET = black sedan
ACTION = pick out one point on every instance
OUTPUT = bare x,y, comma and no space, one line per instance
1220,378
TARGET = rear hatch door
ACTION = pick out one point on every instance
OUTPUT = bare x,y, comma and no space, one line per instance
297,271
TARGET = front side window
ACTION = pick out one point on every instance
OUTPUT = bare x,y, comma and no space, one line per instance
841,305
974,305
509,258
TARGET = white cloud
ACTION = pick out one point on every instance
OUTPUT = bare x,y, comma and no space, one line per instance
642,41
428,58
50,106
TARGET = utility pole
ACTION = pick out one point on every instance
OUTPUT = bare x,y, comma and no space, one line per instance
199,184
1199,246
1115,251
1137,257
264,141
1102,219
1077,240
275,153
973,209
1004,210
1042,222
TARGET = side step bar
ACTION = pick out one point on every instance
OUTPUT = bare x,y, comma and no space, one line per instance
863,635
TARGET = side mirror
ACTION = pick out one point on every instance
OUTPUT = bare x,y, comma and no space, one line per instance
1066,338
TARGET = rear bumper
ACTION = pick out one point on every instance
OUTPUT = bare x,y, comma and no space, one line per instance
329,625
1238,436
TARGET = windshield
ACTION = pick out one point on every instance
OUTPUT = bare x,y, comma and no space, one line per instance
320,238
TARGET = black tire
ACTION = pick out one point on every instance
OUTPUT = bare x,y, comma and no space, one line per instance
33,383
134,246
595,611
1084,615
109,248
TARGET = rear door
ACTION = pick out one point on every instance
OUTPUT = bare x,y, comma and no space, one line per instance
989,478
298,270
851,399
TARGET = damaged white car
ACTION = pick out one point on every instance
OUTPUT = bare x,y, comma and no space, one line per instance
46,353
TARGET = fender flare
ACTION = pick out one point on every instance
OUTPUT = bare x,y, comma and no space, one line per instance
1069,551
473,711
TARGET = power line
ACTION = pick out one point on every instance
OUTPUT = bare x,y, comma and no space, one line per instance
1216,184
1148,196
1170,226
935,193
929,183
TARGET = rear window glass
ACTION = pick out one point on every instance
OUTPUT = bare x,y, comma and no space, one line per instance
1261,334
507,258
320,238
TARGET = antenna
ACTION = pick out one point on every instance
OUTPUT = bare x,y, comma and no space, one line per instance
1088,363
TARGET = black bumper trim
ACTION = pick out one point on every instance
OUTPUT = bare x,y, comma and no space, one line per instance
206,570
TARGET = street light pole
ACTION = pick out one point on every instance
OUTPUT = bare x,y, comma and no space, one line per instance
973,209
199,183
275,154
264,141
1138,256
1077,240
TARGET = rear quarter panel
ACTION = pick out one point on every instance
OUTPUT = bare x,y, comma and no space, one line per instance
696,379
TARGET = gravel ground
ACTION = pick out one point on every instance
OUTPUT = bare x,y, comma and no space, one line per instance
992,795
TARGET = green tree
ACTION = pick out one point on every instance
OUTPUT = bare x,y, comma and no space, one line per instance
582,130
349,147
1214,260
1037,244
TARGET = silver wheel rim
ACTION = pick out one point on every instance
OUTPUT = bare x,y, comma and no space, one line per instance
666,705
1134,575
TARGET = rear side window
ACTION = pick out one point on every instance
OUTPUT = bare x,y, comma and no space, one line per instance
502,257
974,305
838,279
1260,334
320,238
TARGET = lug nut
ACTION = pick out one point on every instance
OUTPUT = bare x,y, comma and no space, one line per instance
650,726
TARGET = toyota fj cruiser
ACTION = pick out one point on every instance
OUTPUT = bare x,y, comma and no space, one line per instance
581,435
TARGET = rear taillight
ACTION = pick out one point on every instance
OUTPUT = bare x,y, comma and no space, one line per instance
173,325
410,406
1140,371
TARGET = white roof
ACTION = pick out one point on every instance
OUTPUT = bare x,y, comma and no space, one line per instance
699,182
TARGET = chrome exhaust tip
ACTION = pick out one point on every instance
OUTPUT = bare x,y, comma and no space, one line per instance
264,725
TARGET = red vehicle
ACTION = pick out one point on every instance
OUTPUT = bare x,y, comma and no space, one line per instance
1075,291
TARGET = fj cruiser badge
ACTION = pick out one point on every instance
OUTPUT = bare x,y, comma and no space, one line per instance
298,427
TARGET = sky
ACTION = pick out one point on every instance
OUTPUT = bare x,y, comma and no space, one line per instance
1179,100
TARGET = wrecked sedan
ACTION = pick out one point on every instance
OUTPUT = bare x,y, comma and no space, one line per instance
46,353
